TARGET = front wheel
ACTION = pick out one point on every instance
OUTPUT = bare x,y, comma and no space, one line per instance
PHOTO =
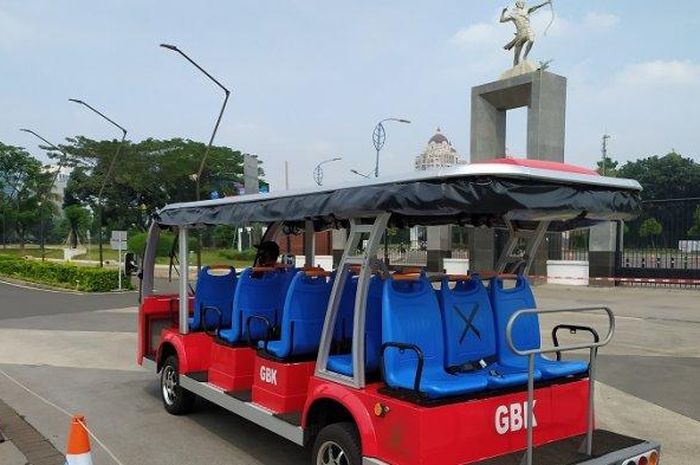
176,400
337,444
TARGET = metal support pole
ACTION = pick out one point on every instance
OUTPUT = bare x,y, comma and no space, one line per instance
591,401
184,308
309,243
43,251
530,411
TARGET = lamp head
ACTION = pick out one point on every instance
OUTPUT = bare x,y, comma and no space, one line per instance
75,100
404,121
169,47
26,130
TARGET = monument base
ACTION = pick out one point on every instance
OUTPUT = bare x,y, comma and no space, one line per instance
521,68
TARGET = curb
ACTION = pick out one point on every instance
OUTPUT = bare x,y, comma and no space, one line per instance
62,290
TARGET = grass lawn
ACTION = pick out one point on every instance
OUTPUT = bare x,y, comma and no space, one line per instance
31,251
209,256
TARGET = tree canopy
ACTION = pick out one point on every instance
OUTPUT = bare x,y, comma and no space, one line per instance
668,177
148,175
25,198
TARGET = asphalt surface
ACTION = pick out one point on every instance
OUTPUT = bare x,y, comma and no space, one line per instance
78,351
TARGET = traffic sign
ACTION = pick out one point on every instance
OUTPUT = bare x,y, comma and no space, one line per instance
118,242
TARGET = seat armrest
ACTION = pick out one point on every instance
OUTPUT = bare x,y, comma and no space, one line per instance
572,329
205,310
268,325
402,348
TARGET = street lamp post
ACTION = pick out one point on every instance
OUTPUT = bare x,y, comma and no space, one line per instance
318,171
379,138
41,229
366,176
109,172
48,189
198,180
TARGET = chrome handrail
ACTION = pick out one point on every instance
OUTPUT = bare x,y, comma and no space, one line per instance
531,353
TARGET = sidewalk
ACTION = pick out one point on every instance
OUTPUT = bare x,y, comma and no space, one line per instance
23,443
10,455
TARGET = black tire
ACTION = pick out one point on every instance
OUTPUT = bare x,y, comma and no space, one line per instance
335,438
176,400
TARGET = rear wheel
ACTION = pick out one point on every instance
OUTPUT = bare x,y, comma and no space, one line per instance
337,444
176,400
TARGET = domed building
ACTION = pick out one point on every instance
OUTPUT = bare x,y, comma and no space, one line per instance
438,154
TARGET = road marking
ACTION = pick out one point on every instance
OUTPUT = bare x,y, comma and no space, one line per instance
126,310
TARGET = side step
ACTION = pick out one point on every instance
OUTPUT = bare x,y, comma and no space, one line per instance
246,410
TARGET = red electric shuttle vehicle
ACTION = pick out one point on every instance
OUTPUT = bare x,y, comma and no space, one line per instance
368,366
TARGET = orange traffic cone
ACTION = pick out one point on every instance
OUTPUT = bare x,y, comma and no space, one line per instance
78,448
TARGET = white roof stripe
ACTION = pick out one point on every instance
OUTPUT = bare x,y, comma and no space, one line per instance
471,170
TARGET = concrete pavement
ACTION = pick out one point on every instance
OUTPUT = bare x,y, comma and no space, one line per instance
80,354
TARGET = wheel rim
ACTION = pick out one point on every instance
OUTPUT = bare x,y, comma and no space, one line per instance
169,385
330,453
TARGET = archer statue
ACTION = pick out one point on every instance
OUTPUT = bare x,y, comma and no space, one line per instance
524,35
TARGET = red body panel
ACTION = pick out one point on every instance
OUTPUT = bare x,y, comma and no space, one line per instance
231,367
281,387
156,312
193,350
457,433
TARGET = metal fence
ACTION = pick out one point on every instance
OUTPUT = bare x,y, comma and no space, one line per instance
664,242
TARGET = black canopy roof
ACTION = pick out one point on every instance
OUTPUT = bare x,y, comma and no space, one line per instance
481,194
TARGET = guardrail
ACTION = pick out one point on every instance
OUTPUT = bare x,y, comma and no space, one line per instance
532,353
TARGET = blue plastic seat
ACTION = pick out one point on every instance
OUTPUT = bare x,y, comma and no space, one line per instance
411,317
302,317
470,334
526,331
259,298
342,363
213,299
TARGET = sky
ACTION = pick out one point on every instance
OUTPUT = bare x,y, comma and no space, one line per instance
311,78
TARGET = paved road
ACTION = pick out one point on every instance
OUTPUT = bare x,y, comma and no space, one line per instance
78,352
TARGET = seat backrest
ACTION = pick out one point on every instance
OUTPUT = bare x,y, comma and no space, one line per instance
346,310
468,322
345,322
505,302
215,288
411,315
259,293
303,314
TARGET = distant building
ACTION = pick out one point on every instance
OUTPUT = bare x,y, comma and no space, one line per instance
61,183
438,154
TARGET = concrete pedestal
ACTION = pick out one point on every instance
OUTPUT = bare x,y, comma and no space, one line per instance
439,246
602,248
544,94
338,240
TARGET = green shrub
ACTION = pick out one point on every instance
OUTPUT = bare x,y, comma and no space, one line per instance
137,243
80,278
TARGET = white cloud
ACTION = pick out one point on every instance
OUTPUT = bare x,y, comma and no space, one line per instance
12,31
660,72
601,20
476,34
